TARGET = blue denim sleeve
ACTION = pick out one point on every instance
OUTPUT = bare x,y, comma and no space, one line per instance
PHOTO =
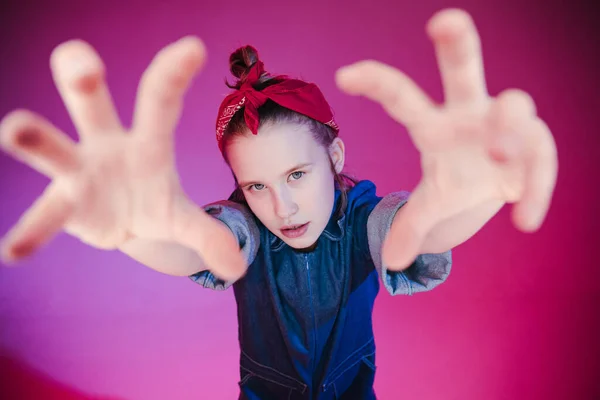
241,222
426,272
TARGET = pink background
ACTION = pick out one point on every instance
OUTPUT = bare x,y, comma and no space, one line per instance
518,317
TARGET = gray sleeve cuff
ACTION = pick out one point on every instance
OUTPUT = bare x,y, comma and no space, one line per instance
240,221
426,272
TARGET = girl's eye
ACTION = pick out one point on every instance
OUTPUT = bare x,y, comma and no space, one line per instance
257,187
297,175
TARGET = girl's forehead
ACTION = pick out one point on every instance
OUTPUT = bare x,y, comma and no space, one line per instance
273,151
275,142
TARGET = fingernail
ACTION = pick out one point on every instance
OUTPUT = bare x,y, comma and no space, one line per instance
83,74
78,65
6,256
343,72
533,217
6,260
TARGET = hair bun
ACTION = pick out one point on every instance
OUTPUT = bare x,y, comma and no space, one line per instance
240,62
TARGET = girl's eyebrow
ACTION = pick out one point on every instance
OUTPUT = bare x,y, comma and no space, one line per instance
289,171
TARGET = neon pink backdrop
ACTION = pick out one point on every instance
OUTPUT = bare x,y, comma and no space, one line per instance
518,317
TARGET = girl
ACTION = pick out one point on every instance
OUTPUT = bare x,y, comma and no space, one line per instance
303,246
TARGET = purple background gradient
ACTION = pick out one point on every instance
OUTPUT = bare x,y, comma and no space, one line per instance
518,317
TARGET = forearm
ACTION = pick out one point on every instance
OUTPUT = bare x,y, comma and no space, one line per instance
168,258
452,232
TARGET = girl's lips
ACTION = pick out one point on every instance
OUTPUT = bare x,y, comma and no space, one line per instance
292,232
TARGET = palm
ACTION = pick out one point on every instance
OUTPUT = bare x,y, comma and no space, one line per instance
123,189
456,161
476,150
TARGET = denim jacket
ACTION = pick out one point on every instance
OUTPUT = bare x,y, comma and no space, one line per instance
305,318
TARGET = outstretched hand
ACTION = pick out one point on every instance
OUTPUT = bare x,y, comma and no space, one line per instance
477,151
116,183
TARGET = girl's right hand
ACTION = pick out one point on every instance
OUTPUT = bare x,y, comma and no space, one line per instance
115,183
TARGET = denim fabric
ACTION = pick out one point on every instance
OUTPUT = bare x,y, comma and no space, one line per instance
305,327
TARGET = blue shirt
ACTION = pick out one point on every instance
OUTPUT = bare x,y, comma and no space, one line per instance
305,326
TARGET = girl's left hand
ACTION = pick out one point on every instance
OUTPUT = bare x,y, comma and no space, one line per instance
477,152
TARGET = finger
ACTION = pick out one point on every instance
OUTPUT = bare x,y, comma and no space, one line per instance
38,225
79,74
541,169
458,50
407,234
35,141
212,239
509,112
160,95
397,93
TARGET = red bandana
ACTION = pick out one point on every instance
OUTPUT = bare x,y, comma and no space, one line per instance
302,97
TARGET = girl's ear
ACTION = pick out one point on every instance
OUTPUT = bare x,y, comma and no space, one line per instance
337,153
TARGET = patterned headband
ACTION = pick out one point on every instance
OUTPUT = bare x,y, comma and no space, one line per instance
296,95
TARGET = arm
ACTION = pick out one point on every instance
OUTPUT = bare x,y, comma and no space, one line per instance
176,259
477,152
168,258
456,230
426,272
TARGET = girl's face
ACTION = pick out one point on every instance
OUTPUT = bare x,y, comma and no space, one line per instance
287,180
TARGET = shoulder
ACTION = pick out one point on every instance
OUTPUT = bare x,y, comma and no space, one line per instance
242,223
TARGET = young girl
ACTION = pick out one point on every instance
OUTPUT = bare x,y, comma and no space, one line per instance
303,246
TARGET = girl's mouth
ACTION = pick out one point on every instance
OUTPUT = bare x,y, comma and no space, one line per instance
295,231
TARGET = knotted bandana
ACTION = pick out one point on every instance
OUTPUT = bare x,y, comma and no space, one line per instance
296,95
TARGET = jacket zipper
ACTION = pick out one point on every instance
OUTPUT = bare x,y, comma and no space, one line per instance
312,310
